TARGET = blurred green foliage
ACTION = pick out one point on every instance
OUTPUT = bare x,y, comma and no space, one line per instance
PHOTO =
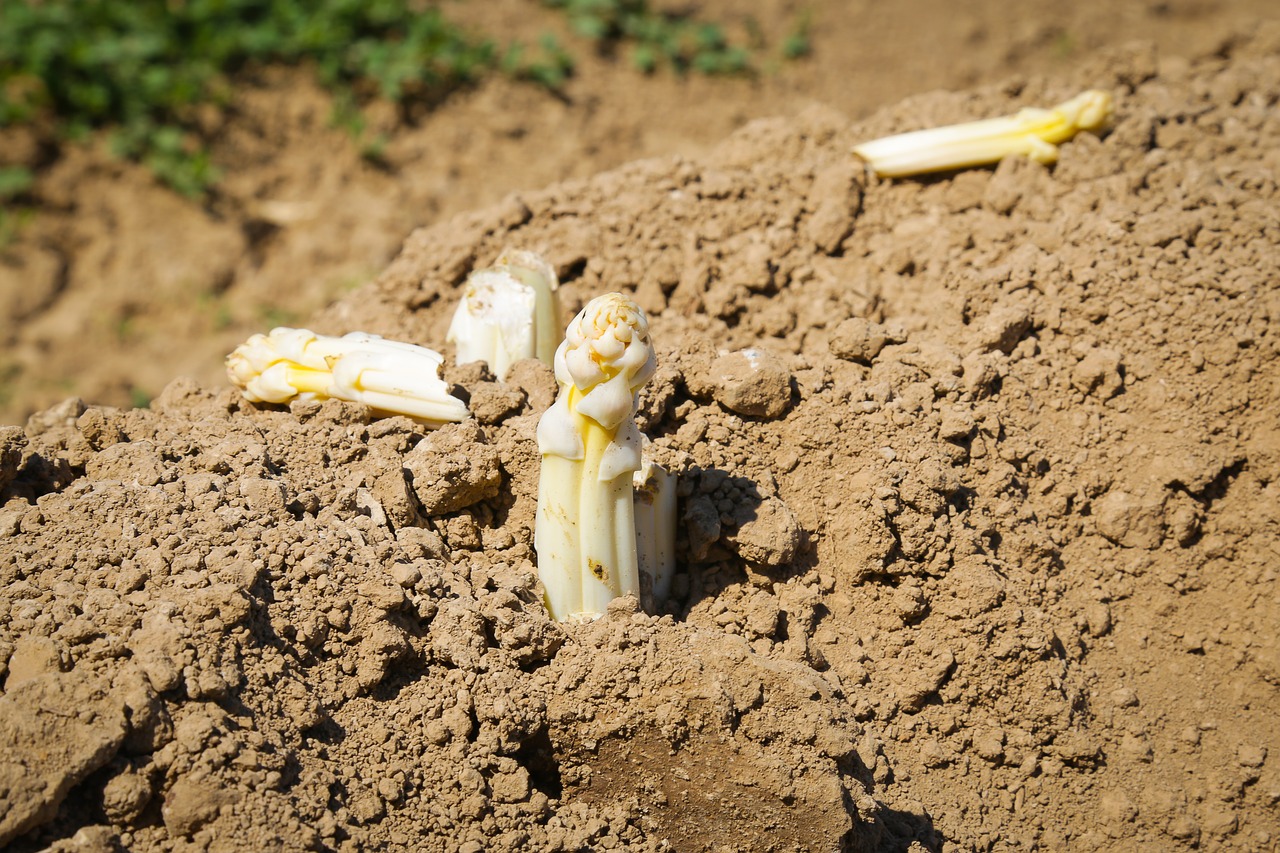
146,68
142,66
656,39
14,181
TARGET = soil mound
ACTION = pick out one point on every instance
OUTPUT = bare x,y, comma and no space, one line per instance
979,525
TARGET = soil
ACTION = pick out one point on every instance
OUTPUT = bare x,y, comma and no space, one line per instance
114,285
979,511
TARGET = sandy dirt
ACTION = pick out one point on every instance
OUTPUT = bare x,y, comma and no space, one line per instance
979,524
116,285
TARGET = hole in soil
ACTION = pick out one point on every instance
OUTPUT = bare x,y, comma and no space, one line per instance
538,755
574,271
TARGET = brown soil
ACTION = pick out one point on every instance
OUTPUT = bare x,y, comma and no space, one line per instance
979,556
117,285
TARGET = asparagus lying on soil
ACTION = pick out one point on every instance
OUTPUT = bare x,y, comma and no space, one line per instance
1032,132
388,376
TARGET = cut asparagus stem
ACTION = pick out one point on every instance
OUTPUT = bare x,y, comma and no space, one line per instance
508,312
389,376
1032,132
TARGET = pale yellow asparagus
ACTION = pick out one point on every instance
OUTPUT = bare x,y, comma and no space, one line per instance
655,510
585,531
508,312
1032,132
388,376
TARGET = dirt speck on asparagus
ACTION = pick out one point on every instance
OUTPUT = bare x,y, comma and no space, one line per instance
978,528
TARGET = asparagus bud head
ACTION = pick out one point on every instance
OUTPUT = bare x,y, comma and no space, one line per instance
585,533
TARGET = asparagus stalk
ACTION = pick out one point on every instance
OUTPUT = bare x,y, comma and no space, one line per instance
585,530
508,312
655,508
389,376
1032,132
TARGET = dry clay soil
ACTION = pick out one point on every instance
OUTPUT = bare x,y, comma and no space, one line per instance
115,285
979,526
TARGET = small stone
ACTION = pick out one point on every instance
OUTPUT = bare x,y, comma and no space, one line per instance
98,431
769,536
368,505
1098,373
858,339
1183,828
383,596
190,804
702,524
1097,617
126,795
1136,748
933,755
366,807
1131,520
474,806
453,468
492,403
421,542
536,380
834,199
263,496
1003,328
1251,755
390,790
405,574
510,787
752,382
1220,820
956,425
981,372
990,746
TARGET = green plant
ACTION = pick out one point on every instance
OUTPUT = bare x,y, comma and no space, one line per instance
139,398
14,180
11,222
9,373
275,315
550,65
142,66
656,39
798,44
213,305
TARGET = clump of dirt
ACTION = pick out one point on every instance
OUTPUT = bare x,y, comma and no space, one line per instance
978,516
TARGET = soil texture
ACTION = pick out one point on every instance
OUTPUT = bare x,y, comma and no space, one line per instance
113,285
979,525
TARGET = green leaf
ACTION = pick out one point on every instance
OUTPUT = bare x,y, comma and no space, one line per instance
14,180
